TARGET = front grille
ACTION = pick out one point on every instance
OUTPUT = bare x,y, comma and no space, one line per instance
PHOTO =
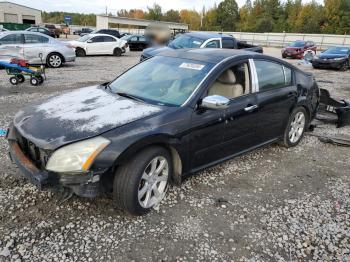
38,156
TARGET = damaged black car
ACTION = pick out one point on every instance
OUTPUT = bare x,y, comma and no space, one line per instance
165,118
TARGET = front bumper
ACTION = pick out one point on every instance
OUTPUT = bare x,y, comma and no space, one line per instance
83,184
329,63
292,54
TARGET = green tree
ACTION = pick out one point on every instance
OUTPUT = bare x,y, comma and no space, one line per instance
155,12
227,15
172,16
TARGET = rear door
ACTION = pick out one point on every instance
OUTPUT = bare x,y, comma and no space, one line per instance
34,45
276,97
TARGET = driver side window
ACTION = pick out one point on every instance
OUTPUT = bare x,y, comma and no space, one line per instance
233,82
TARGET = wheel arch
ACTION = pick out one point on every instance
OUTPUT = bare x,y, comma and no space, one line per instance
55,53
172,145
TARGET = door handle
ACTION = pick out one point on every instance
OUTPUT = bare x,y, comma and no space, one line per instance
250,108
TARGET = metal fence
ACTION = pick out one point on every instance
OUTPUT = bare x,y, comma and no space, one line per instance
323,41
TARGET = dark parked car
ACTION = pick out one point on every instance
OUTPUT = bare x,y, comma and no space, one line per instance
201,40
167,117
111,32
298,48
337,57
136,42
83,31
42,30
53,29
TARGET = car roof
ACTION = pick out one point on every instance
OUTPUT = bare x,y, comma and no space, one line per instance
92,35
207,35
23,32
210,55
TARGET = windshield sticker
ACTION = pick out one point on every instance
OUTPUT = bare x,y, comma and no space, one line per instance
192,66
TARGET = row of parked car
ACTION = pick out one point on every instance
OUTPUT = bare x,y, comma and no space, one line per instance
336,57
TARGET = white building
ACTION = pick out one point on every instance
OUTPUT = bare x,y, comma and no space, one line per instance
19,14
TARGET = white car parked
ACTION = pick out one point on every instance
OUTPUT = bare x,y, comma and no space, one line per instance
100,44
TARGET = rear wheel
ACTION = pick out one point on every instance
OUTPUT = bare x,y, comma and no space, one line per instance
117,52
34,81
296,127
54,60
141,184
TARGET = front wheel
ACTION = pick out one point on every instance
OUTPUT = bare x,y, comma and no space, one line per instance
344,66
296,127
117,52
142,183
80,52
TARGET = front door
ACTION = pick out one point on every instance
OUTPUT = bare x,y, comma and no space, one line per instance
94,45
12,45
276,98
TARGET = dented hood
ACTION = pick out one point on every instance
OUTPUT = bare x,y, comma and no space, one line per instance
77,115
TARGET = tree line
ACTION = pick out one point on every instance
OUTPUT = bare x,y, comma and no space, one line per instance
294,16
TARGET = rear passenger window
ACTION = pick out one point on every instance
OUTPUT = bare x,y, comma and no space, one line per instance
270,75
228,43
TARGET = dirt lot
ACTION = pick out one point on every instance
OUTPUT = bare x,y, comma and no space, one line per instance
272,204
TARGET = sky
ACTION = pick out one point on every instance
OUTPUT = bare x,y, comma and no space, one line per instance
99,6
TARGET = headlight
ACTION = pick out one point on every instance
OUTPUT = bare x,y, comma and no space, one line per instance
339,58
76,157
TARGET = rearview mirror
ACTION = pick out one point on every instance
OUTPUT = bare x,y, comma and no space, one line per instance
215,102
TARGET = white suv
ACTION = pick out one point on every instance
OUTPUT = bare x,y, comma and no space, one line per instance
99,44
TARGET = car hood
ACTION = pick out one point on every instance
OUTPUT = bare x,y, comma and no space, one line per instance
152,51
77,115
331,56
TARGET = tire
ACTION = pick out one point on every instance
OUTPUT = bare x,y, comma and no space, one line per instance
344,67
34,81
21,78
54,60
284,56
14,80
80,52
117,52
134,187
41,79
297,124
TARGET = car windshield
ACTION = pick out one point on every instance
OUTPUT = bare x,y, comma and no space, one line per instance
337,50
162,80
297,44
186,41
126,37
84,38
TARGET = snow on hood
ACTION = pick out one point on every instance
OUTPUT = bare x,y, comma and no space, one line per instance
95,108
77,115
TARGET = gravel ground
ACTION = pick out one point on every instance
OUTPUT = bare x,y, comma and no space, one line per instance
274,204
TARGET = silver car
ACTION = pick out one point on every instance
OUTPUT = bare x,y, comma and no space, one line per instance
36,48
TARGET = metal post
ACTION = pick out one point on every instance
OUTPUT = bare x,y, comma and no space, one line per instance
322,41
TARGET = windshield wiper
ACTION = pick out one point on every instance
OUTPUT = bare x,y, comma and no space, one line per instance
129,96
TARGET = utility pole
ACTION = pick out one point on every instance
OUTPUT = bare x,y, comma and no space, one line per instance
106,10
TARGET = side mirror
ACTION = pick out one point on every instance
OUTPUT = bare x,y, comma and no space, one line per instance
89,41
215,102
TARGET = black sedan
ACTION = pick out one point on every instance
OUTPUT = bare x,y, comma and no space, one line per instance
335,57
169,116
136,42
42,30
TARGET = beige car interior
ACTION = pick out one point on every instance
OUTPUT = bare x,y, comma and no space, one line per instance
232,83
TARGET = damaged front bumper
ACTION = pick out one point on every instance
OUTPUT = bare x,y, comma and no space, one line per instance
83,184
333,108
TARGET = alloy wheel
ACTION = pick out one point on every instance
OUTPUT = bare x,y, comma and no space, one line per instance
55,61
297,127
154,181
